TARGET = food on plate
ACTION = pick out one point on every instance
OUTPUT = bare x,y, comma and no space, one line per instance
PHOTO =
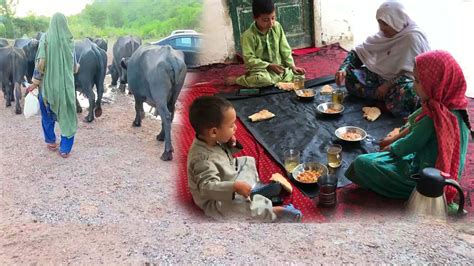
261,115
327,89
351,136
287,86
394,132
332,110
309,176
305,93
371,113
284,183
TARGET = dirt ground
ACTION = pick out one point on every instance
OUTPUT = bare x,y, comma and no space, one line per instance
113,201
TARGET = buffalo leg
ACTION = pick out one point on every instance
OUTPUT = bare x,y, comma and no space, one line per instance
138,112
91,97
122,87
17,98
78,105
8,95
100,92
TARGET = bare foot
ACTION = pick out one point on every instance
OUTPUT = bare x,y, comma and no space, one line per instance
229,81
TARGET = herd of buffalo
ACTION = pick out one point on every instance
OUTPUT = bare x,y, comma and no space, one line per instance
154,74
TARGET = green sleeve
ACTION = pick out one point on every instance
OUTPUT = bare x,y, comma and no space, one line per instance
413,116
251,60
352,60
420,134
209,184
285,49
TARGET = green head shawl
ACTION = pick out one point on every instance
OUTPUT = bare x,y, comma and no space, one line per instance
57,48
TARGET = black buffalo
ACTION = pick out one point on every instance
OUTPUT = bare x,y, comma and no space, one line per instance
12,71
93,62
156,75
30,47
102,43
123,48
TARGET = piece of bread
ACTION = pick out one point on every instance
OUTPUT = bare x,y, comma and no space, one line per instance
371,113
286,86
327,89
394,132
261,115
282,180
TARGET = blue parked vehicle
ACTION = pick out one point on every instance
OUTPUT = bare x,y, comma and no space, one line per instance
188,41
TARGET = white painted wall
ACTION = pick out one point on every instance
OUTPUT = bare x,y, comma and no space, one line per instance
218,44
447,24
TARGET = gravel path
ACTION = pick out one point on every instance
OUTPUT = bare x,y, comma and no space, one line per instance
113,202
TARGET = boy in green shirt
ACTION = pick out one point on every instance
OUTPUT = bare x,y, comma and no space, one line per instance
266,52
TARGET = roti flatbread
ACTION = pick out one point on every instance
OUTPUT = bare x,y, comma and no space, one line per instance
371,113
261,115
284,183
286,86
327,89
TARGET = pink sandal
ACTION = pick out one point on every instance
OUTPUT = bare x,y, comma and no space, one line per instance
64,155
52,146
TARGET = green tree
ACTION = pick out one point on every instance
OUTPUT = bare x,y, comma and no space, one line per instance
7,12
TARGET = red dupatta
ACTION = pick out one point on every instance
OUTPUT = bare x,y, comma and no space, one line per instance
443,82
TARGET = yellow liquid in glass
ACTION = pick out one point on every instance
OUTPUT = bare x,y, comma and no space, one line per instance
290,165
334,159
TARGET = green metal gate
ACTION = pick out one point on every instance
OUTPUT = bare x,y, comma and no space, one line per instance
296,17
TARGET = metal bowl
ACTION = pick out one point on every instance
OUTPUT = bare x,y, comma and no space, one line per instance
305,94
350,129
325,108
309,166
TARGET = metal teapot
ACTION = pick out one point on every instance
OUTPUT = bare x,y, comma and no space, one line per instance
428,196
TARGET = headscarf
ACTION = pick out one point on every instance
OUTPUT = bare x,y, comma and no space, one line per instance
444,84
56,47
391,57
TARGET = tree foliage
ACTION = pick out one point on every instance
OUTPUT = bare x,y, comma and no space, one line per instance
145,18
149,19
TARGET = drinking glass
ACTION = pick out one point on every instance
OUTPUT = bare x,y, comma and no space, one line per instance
334,154
291,159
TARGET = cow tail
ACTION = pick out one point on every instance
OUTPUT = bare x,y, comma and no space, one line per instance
102,67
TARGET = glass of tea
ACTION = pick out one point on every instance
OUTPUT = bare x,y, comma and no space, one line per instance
298,81
291,159
334,153
327,190
338,96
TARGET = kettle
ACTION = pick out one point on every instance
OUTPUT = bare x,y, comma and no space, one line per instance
428,196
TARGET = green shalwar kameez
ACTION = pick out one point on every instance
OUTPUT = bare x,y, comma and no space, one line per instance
262,49
388,173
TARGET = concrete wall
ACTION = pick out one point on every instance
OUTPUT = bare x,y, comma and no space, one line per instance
218,44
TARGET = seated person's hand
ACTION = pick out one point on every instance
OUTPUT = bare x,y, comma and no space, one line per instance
387,141
298,70
340,77
276,68
386,148
242,188
381,91
231,143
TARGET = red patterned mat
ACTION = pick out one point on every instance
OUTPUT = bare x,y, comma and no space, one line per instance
352,200
305,51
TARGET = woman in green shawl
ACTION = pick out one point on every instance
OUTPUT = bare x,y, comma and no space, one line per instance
54,75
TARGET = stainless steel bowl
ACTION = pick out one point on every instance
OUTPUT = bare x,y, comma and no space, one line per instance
340,131
309,166
305,94
326,107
